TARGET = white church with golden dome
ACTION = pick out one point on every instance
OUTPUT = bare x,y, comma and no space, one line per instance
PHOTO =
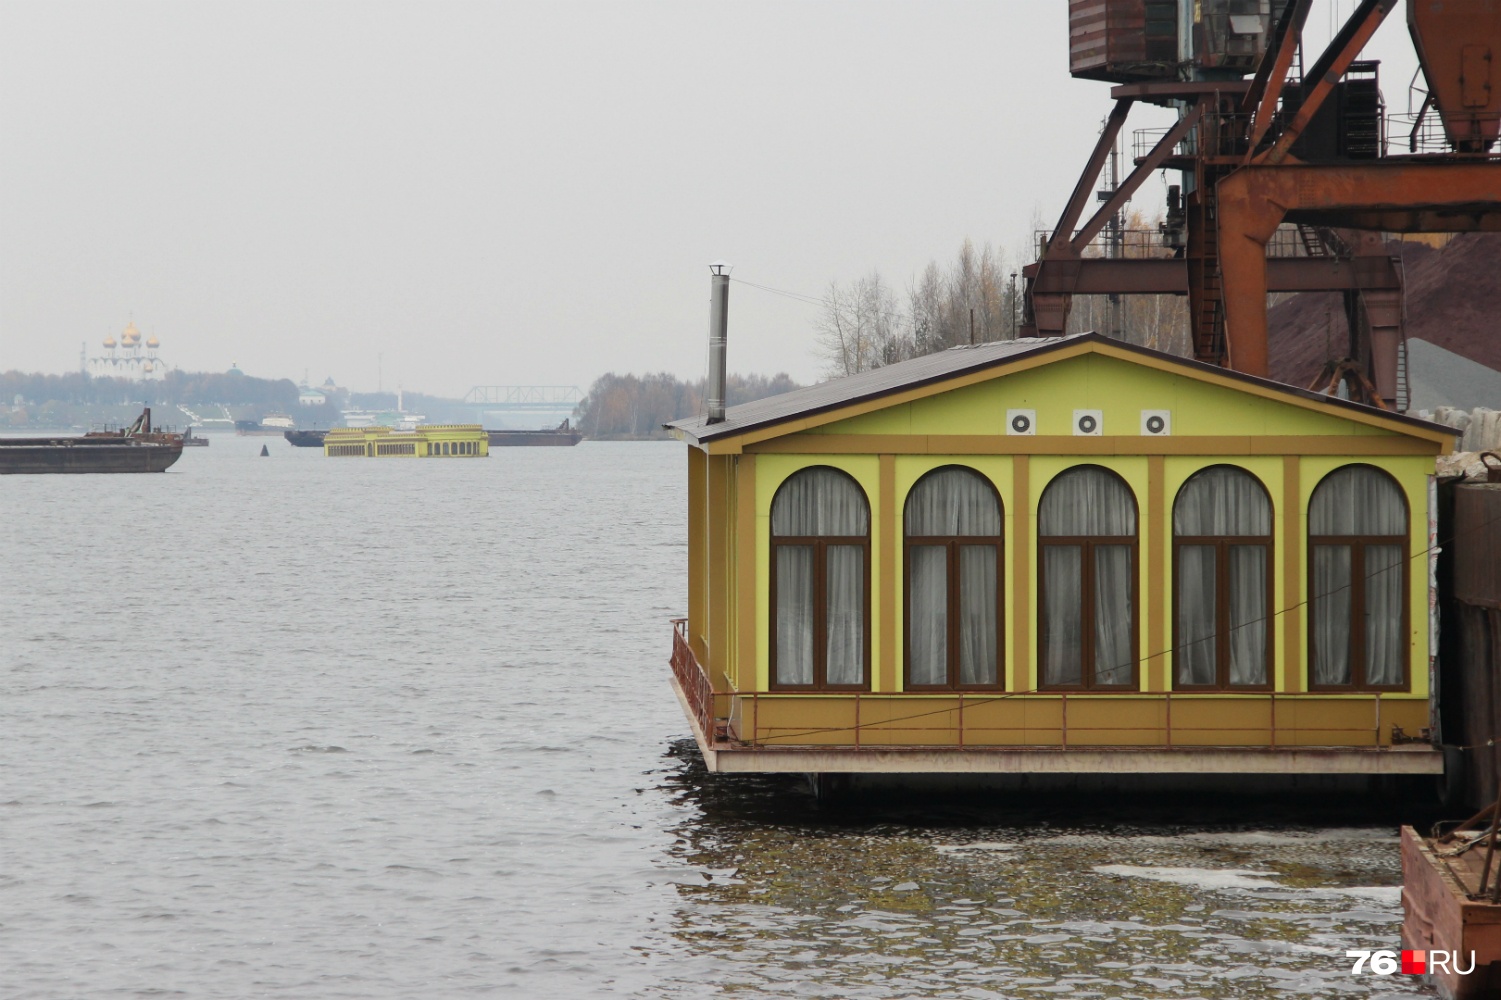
129,358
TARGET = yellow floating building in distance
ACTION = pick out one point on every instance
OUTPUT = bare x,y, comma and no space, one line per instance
431,441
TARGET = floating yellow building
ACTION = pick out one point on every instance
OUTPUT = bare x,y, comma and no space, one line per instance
1062,555
427,441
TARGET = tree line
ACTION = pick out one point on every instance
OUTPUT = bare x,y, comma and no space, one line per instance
191,388
634,407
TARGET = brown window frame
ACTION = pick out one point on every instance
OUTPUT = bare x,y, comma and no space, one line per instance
1358,545
1087,544
820,544
1086,614
1223,544
952,543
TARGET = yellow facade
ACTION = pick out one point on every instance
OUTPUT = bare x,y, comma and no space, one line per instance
1285,440
428,441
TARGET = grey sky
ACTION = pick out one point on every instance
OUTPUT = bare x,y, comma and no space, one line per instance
515,192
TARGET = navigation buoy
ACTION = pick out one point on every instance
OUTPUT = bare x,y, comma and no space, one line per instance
264,452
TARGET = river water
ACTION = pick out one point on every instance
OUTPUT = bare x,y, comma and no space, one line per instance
296,727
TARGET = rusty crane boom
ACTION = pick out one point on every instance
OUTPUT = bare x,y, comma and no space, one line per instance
1265,145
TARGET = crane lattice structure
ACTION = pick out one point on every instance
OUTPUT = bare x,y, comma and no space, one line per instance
1289,180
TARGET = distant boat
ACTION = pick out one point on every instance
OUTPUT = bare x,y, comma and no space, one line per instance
189,441
306,439
273,424
137,448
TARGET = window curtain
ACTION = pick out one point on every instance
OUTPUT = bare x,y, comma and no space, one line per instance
977,614
794,614
820,501
1383,614
950,503
1357,500
927,614
1087,501
1331,614
844,655
1112,615
953,502
1222,501
1248,625
1063,614
1195,655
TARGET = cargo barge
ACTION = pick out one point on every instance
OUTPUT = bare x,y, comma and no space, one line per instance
1450,907
137,448
563,436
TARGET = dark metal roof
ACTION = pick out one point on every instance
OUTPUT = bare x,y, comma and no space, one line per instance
957,361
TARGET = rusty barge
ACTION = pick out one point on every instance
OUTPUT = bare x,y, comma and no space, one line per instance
137,448
561,436
1451,880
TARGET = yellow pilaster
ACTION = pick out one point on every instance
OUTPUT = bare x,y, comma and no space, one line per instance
1021,577
1292,575
1157,589
697,549
744,673
890,596
721,528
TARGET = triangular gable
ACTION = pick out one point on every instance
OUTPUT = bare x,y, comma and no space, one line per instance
1088,371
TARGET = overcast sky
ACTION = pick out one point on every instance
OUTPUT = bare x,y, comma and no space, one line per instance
516,193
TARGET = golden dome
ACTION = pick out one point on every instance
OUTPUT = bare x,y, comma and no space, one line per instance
109,342
152,342
131,333
148,366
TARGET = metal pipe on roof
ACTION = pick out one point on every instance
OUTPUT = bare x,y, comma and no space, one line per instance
719,305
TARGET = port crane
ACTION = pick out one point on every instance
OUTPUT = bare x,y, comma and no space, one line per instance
1290,172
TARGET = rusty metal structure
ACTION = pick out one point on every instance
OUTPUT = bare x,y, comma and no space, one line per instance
1290,172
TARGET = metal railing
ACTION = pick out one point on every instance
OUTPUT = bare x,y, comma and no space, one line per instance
1409,134
1077,724
1040,720
1136,244
692,680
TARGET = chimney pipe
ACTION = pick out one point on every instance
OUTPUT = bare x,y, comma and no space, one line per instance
719,304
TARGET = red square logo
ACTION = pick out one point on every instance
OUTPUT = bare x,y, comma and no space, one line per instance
1414,963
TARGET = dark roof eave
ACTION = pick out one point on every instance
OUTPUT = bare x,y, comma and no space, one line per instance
702,433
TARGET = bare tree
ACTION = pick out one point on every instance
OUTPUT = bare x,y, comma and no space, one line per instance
861,327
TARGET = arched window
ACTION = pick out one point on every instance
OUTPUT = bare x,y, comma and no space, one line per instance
820,580
1087,580
1357,567
953,560
1222,563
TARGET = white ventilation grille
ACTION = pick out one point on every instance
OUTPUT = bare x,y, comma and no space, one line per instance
1089,423
1021,421
1156,423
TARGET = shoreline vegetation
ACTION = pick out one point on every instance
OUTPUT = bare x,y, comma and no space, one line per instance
618,407
634,407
